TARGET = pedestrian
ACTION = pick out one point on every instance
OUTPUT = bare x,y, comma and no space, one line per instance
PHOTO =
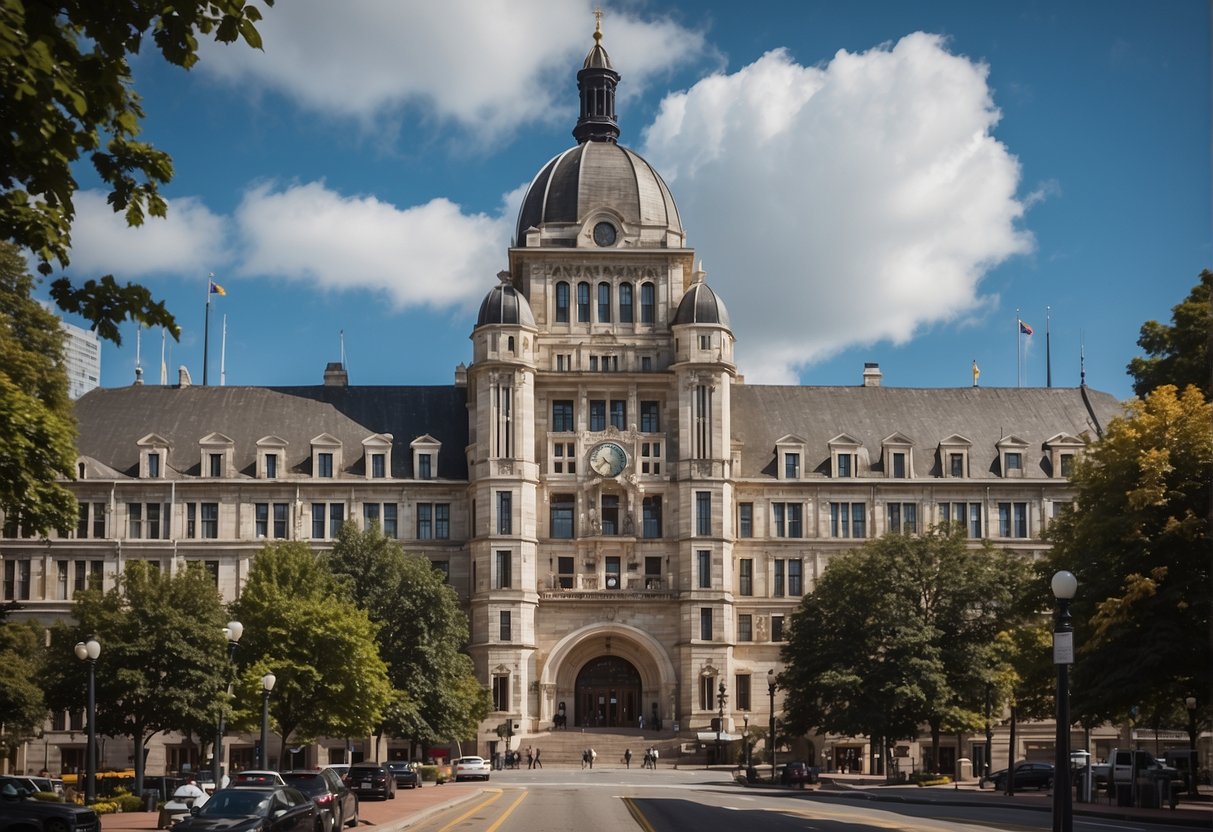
593,757
655,756
627,758
585,758
537,763
530,758
642,722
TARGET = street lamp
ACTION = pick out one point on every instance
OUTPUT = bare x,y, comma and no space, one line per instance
1190,704
267,685
88,651
721,699
1064,586
989,731
232,633
745,721
771,693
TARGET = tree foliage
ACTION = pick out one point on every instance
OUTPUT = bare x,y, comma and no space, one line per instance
37,428
902,632
422,632
1181,353
300,625
21,698
162,659
1138,542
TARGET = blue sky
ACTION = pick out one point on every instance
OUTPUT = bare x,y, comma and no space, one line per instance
868,181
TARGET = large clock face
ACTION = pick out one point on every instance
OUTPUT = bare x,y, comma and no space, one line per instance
604,234
608,459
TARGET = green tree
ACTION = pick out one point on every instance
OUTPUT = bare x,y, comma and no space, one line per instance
162,657
37,429
422,632
1138,542
21,699
901,632
1179,354
300,625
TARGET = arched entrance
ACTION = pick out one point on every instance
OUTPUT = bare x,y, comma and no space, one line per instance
608,693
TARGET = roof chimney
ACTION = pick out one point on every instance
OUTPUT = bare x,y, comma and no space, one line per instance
335,375
183,376
871,374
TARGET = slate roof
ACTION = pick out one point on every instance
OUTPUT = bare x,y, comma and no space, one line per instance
762,415
113,420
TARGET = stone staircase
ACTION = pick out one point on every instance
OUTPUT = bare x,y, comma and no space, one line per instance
563,748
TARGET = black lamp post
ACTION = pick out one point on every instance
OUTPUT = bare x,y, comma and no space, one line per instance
267,685
721,699
989,731
1064,586
745,721
88,651
1190,704
232,633
771,693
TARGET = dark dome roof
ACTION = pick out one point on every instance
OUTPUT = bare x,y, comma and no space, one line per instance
701,306
594,176
505,305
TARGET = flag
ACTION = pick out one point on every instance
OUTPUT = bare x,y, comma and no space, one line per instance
1024,328
976,372
216,289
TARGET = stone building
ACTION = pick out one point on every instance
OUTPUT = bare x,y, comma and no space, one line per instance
628,522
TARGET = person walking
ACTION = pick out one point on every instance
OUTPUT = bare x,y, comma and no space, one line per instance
530,758
585,758
537,763
593,757
655,756
627,758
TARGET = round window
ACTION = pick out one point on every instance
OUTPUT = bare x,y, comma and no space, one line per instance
604,234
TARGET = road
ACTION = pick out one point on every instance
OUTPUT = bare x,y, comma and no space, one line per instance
572,800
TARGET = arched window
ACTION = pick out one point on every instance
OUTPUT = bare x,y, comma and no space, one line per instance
604,302
583,303
625,303
647,303
562,302
510,345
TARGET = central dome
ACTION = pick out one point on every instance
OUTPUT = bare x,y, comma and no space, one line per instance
598,194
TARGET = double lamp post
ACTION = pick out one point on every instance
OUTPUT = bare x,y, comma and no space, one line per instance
88,651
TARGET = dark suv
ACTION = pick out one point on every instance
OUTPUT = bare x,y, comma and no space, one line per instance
374,779
336,805
406,774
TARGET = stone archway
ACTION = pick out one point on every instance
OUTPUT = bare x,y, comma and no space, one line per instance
609,694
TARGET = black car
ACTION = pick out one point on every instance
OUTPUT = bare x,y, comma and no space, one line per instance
406,775
1027,776
338,806
374,779
254,809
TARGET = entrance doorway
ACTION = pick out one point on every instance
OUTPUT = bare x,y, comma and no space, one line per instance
608,694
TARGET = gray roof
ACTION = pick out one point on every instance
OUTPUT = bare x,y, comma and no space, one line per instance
113,420
505,305
700,305
763,415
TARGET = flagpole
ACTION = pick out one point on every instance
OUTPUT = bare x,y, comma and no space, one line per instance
206,335
223,354
163,365
1048,351
1018,352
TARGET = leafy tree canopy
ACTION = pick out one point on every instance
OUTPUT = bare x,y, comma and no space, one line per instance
21,699
1138,542
1179,354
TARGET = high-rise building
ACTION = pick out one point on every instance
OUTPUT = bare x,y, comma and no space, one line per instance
82,357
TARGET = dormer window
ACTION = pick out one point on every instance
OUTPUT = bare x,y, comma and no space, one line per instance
954,457
789,455
1011,456
153,456
425,457
271,466
214,465
898,457
844,456
153,464
326,456
1061,451
324,467
377,451
271,455
216,450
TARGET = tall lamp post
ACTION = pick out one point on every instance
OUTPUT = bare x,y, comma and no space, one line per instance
1190,704
721,699
267,685
88,651
1064,586
989,732
745,721
232,632
771,693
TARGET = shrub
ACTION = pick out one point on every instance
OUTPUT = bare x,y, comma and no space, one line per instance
104,807
129,803
49,797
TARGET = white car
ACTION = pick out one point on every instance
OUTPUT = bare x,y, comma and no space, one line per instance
256,777
471,768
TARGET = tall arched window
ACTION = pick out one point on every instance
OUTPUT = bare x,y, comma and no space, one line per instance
625,303
647,303
562,302
583,303
604,302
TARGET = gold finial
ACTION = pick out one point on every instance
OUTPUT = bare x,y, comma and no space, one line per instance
598,24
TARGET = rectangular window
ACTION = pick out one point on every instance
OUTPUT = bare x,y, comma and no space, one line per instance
846,465
1014,461
902,518
271,466
324,465
261,519
609,515
778,522
703,558
652,572
153,521
745,576
604,303
778,579
216,463
153,465
745,519
899,465
650,417
562,302
99,521
210,521
1067,465
336,518
61,593
597,414
370,515
647,303
956,463
651,519
134,516
16,580
191,520
318,525
378,466
389,520
281,515
504,569
560,519
619,414
505,512
791,466
565,575
562,416
504,618
613,572
742,692
564,458
705,342
776,628
795,577
82,521
745,627
501,690
1013,520
650,458
625,303
795,520
442,521
848,520
703,513
705,624
425,521
425,466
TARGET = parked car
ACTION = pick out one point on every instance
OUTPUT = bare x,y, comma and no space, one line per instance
798,773
471,768
406,775
1027,776
337,805
256,777
341,769
18,811
254,809
374,779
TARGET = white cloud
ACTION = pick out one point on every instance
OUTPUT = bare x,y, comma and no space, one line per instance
845,204
190,240
487,65
432,254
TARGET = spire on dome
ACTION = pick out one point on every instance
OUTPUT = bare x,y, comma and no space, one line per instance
596,83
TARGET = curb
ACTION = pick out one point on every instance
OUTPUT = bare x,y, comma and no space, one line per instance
429,811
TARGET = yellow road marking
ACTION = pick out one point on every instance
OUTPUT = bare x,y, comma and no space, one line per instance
638,815
496,794
507,812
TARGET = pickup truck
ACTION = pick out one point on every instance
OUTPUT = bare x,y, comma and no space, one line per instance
1126,767
21,813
